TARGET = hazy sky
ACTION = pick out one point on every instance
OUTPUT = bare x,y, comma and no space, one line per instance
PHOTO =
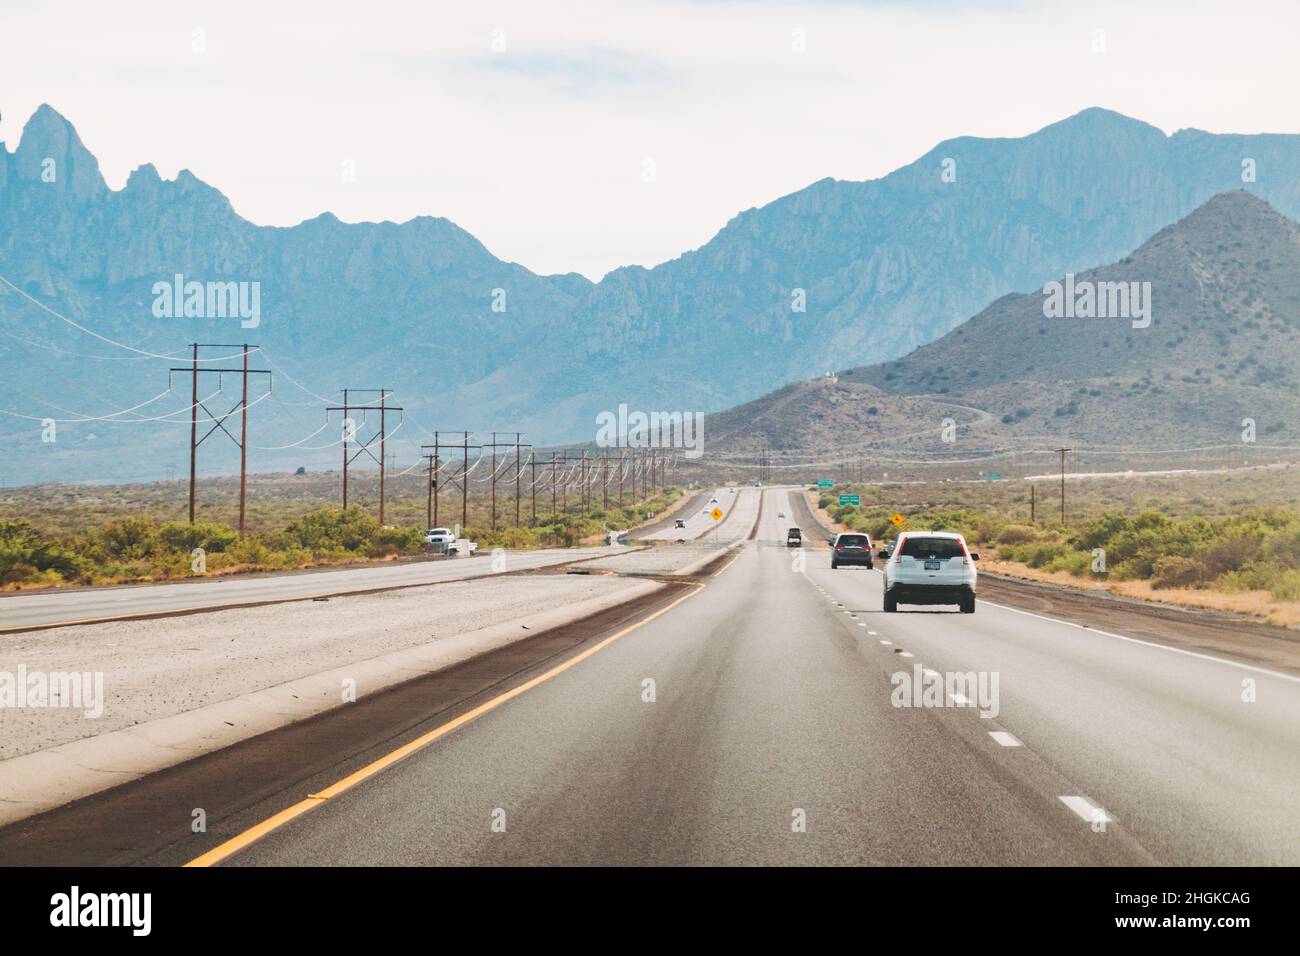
541,147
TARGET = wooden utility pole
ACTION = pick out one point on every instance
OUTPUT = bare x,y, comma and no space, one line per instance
1063,451
345,449
243,441
532,465
382,436
518,469
219,420
464,482
435,466
194,428
553,511
364,446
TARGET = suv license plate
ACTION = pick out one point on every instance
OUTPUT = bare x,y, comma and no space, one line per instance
932,565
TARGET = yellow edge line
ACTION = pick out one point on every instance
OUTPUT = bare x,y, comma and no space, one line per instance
727,565
256,832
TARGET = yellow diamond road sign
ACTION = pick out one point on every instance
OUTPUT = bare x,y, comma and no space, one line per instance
898,519
716,514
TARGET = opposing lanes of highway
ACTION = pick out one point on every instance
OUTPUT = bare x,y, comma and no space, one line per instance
50,608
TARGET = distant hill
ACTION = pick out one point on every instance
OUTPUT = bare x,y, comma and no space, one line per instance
1223,345
883,266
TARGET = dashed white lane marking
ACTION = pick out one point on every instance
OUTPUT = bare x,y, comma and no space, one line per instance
860,624
929,673
1133,640
905,654
1087,811
872,633
886,643
961,700
1006,740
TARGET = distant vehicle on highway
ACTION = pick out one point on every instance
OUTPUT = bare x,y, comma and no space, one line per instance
679,523
780,514
886,551
931,567
713,500
794,538
851,548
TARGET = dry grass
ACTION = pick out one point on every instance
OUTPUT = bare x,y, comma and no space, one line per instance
1256,604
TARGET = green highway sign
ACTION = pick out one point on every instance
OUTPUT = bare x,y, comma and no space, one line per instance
854,500
825,483
993,475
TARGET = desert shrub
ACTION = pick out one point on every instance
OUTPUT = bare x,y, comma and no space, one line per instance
1037,554
330,529
390,541
1228,555
1099,531
1017,534
212,538
1176,571
1286,585
27,557
1078,563
129,539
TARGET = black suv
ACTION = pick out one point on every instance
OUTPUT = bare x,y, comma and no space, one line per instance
851,548
794,538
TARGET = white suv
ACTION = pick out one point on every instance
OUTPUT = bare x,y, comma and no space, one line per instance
930,567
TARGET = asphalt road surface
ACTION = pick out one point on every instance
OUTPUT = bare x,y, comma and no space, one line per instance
754,721
48,608
698,520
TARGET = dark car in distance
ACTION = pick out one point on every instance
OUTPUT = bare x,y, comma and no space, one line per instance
794,538
851,548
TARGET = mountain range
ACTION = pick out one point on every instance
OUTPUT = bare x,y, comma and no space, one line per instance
880,267
1219,346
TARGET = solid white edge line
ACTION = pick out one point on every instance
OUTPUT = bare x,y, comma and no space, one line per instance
1135,640
1005,739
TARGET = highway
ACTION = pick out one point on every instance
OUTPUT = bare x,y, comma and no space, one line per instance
50,608
25,611
755,720
698,520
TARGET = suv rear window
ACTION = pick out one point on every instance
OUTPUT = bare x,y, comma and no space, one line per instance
854,541
932,548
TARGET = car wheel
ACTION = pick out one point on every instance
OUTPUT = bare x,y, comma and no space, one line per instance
870,566
834,565
891,604
968,605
